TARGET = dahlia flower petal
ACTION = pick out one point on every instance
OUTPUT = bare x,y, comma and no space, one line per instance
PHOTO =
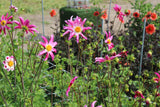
85,105
99,59
6,16
17,27
93,103
66,32
54,50
2,18
31,26
51,39
52,55
9,17
83,36
26,22
86,28
158,75
71,35
9,22
42,52
84,21
77,37
16,22
4,31
45,40
47,55
21,20
43,44
67,91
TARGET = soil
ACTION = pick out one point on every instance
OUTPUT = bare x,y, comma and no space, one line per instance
49,22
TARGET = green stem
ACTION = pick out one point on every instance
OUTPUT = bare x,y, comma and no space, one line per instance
3,98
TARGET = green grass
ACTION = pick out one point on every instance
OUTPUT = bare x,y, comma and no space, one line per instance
34,6
31,6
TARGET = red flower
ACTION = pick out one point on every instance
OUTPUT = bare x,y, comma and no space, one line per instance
127,12
104,15
148,15
153,16
53,13
150,29
96,13
136,14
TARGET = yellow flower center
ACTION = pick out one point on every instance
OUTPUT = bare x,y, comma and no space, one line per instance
3,22
109,41
24,28
49,47
78,29
10,63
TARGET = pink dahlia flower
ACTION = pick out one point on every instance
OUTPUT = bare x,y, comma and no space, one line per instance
49,47
24,25
108,41
107,58
4,22
71,82
138,94
93,104
120,15
13,8
76,27
9,63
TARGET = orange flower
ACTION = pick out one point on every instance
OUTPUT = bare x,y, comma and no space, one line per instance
96,13
150,29
127,12
53,13
136,14
153,16
104,15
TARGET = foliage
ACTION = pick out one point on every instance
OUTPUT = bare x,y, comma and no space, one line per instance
111,80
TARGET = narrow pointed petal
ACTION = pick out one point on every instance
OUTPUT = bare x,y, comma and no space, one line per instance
42,52
21,20
93,103
71,35
51,39
52,56
66,32
45,40
158,75
26,22
43,44
47,55
83,36
77,38
54,50
99,59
